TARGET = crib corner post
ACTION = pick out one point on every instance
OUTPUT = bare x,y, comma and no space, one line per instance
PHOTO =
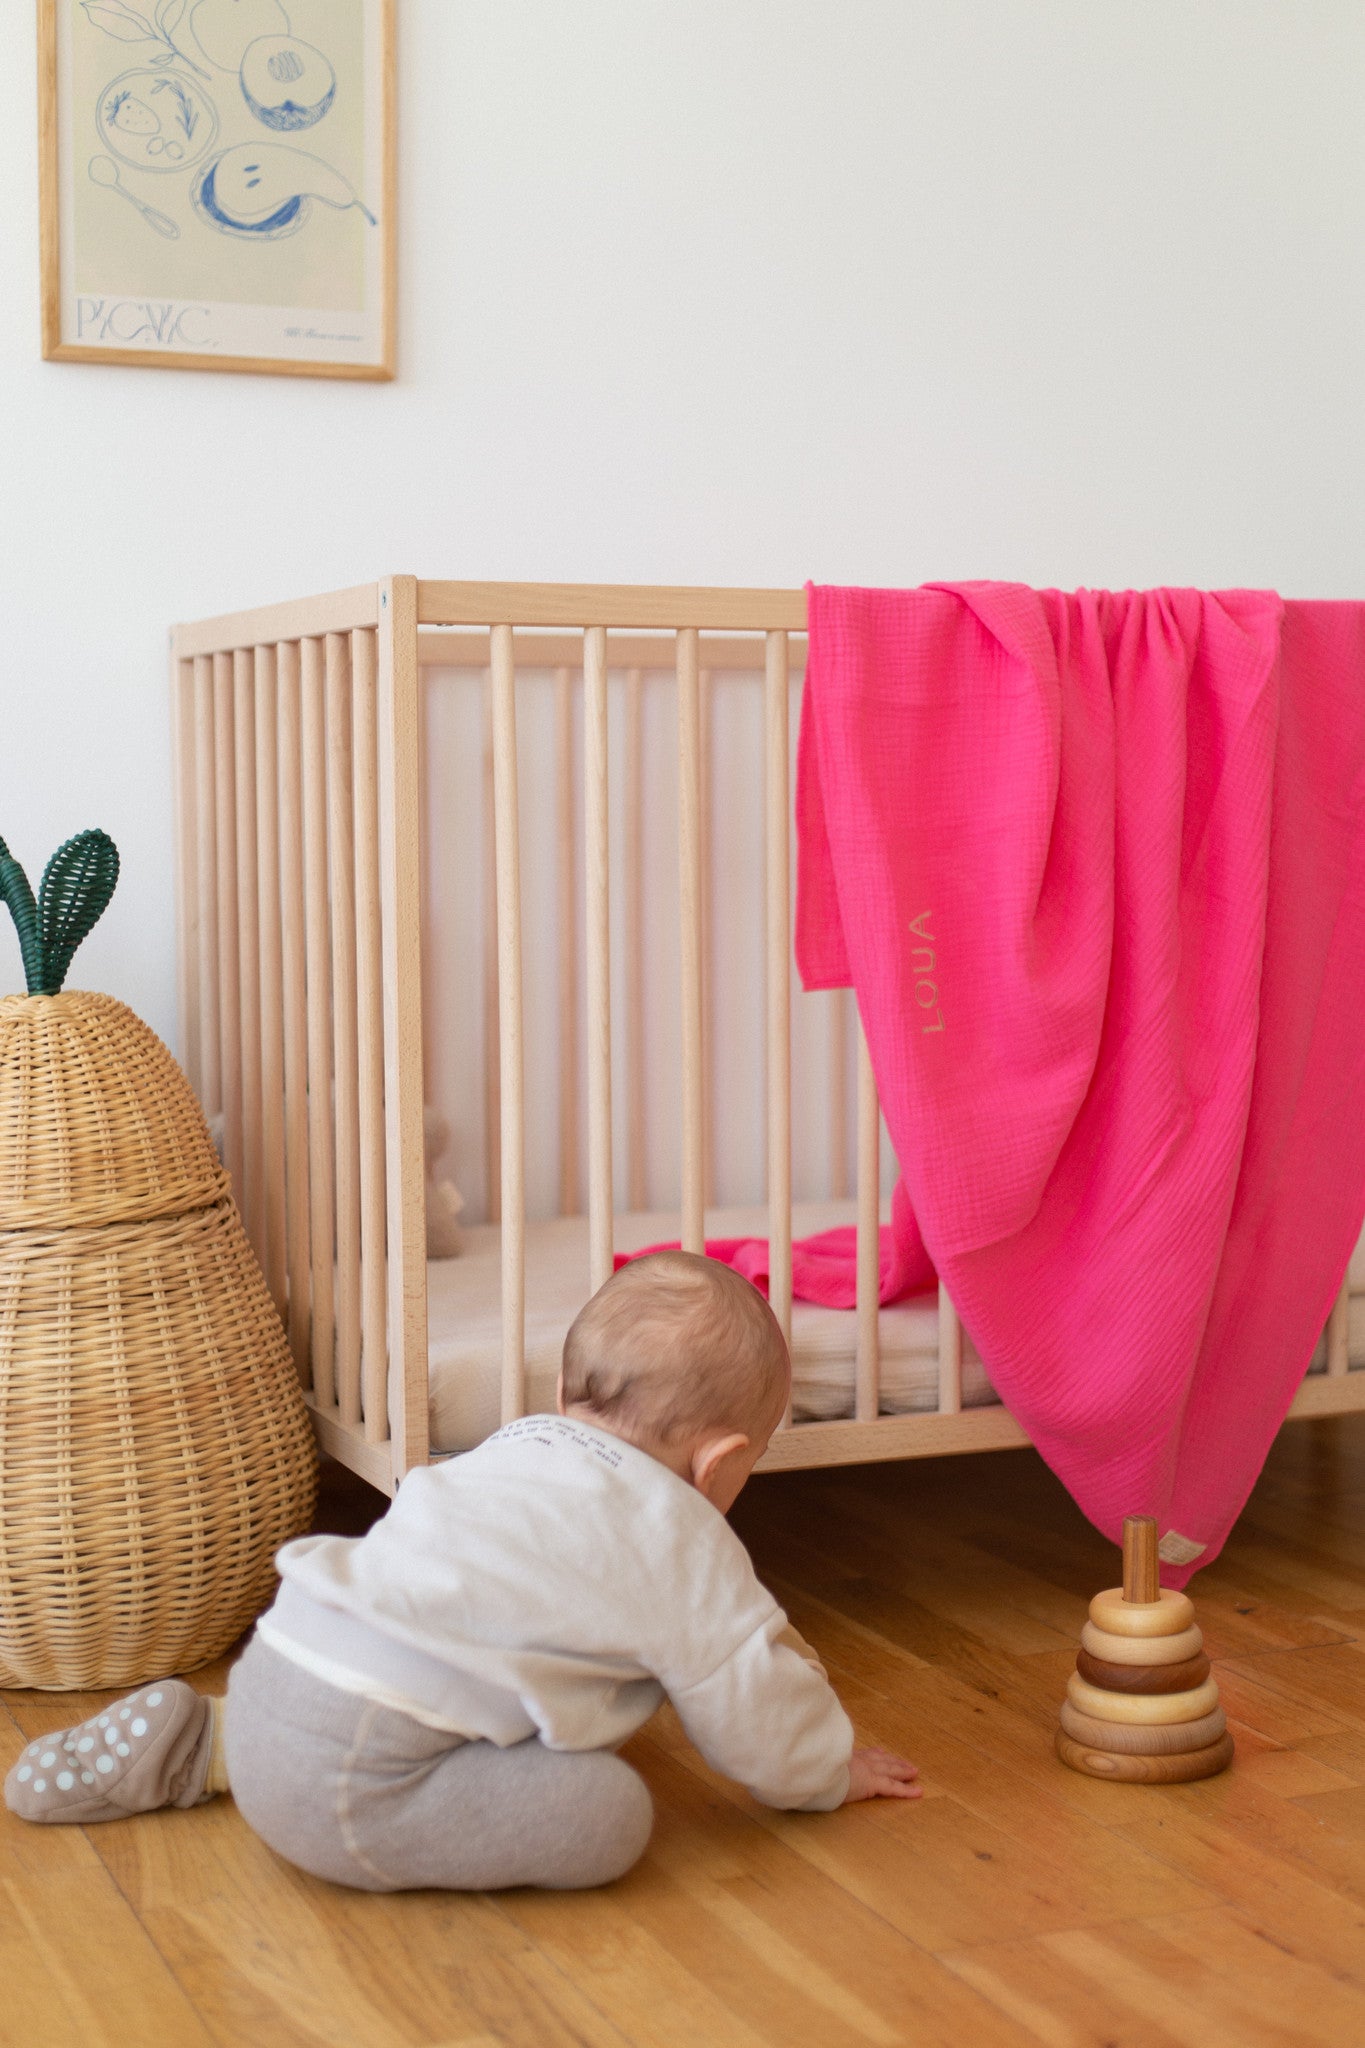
400,884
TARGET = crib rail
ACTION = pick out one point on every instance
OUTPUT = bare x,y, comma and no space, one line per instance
299,778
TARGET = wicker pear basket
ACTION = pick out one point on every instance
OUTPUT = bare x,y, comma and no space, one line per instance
154,1446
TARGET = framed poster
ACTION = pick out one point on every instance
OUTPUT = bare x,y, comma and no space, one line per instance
218,184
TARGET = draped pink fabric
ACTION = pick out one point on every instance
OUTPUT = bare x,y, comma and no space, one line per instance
1095,865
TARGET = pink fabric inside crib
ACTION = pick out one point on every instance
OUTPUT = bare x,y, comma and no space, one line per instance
1095,865
825,1265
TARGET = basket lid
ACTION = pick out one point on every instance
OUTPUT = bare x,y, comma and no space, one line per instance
97,1122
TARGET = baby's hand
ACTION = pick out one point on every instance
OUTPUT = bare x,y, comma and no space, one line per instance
878,1774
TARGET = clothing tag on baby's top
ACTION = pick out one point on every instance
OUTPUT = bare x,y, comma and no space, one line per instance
1176,1549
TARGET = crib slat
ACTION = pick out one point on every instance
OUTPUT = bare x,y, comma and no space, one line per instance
867,1381
346,1090
248,944
949,1355
322,1232
229,960
510,1025
400,897
634,771
570,1201
370,1038
186,869
206,887
1338,1334
708,945
838,1094
295,1005
597,863
272,974
689,898
492,1034
778,867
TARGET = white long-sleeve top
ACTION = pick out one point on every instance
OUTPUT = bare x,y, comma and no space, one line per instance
559,1582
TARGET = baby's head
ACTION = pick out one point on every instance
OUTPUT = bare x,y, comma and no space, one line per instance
683,1358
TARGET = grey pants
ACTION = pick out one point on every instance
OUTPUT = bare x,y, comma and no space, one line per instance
366,1797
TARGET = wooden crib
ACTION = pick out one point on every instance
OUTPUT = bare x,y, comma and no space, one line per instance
309,806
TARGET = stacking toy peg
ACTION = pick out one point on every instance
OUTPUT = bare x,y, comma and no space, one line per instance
1141,1706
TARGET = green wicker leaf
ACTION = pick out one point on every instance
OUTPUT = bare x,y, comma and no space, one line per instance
18,897
77,884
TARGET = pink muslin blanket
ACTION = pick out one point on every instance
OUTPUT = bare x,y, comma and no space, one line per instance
1095,865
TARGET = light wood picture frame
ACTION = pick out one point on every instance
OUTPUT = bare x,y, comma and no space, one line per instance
217,184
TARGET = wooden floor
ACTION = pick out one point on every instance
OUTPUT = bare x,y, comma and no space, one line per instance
1017,1904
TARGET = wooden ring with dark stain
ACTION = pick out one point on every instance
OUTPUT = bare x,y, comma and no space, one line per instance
1143,1677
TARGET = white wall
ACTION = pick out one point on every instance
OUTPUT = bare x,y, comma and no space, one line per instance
725,290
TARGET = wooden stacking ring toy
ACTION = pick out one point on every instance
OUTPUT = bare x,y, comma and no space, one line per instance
1142,1677
1146,1770
1141,1706
1176,1735
1116,1649
1164,1616
1144,1709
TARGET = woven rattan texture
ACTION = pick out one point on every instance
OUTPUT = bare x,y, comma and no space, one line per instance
154,1446
97,1122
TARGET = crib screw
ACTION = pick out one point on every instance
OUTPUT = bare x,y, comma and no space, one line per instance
1141,1707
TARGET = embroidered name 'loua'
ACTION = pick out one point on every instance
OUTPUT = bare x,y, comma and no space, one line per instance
922,965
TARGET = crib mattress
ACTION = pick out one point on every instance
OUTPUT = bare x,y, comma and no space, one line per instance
464,1310
465,1325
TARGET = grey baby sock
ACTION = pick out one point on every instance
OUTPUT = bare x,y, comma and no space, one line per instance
152,1749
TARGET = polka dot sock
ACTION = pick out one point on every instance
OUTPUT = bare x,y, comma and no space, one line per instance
152,1749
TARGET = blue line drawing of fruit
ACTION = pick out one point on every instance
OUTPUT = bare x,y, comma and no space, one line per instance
264,191
287,84
223,28
156,120
160,25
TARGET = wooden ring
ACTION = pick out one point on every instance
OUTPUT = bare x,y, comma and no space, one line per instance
1163,1617
1112,1649
1167,1741
1180,1769
1142,1677
1147,1709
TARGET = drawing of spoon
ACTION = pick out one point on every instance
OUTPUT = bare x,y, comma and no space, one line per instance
104,171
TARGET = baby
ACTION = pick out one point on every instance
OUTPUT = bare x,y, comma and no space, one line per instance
439,1702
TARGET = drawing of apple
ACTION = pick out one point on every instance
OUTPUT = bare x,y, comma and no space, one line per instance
287,84
224,28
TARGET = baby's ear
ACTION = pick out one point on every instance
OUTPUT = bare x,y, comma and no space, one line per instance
559,1393
709,1456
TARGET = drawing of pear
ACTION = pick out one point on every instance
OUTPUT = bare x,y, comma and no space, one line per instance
264,191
